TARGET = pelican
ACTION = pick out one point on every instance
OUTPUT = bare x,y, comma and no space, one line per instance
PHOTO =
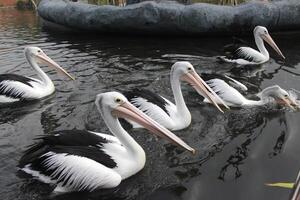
79,160
172,116
246,55
232,97
14,88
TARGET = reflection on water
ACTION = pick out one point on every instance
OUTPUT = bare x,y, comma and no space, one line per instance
235,160
237,152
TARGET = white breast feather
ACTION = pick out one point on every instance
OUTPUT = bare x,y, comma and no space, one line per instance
227,93
81,173
128,164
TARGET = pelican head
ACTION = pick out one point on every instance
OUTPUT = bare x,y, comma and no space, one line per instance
280,95
262,32
186,72
40,57
117,106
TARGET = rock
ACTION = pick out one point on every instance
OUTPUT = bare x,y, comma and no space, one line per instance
171,18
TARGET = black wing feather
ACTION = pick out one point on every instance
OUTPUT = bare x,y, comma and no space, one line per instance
11,92
72,142
232,51
93,153
15,77
148,95
73,138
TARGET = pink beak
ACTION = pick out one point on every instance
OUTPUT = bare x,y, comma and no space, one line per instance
128,111
203,89
48,61
271,42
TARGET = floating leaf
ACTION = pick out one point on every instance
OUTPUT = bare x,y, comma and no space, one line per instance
282,185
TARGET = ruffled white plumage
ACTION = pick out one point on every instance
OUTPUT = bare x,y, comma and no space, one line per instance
252,54
154,111
37,90
248,56
227,93
81,173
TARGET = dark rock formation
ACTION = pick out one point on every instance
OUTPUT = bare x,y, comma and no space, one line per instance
171,18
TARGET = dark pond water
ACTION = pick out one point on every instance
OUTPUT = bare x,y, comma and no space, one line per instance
238,152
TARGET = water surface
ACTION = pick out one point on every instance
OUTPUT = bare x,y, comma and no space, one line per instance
237,152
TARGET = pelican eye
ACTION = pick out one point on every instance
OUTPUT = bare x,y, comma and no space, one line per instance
39,51
189,68
286,96
118,100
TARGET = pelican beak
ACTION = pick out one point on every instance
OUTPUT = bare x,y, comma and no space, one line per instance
203,89
270,41
128,111
43,58
288,102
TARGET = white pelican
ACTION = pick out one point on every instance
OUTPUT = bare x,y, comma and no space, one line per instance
15,88
234,98
78,160
172,116
246,55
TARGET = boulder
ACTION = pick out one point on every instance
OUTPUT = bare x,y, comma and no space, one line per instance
172,18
